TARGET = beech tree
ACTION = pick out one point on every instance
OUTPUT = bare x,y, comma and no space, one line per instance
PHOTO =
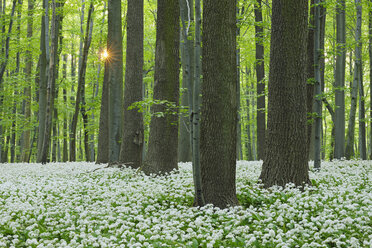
219,103
163,140
286,157
133,130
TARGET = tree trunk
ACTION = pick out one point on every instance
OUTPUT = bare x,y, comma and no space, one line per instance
286,158
65,116
27,91
260,72
340,80
133,130
370,72
80,91
115,77
349,152
51,80
43,80
187,62
163,141
103,142
358,54
219,104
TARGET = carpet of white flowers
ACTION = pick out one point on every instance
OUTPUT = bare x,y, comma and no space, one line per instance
74,205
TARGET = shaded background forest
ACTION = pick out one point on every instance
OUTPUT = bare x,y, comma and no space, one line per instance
21,29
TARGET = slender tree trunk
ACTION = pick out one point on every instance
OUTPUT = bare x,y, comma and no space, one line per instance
27,91
133,129
260,72
286,144
115,77
340,80
249,140
318,88
349,152
51,80
195,116
43,80
370,72
65,116
103,142
80,91
219,103
187,62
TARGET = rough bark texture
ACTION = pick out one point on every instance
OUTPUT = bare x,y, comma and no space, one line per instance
219,103
163,140
260,72
103,142
286,159
340,81
133,130
115,77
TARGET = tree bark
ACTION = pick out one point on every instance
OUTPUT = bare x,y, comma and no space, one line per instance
163,141
286,158
370,71
51,81
219,103
115,77
340,80
103,141
80,91
133,129
260,72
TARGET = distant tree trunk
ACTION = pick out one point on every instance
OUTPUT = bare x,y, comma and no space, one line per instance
286,158
65,117
27,91
358,54
103,142
195,115
133,130
80,91
187,62
370,72
340,80
318,88
115,77
249,155
310,82
51,80
260,72
43,80
163,141
349,152
219,104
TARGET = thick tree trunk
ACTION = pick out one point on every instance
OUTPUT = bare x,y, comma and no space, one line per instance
340,80
133,130
115,77
260,72
219,103
163,141
286,158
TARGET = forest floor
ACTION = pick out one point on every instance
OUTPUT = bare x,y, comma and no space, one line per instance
75,205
